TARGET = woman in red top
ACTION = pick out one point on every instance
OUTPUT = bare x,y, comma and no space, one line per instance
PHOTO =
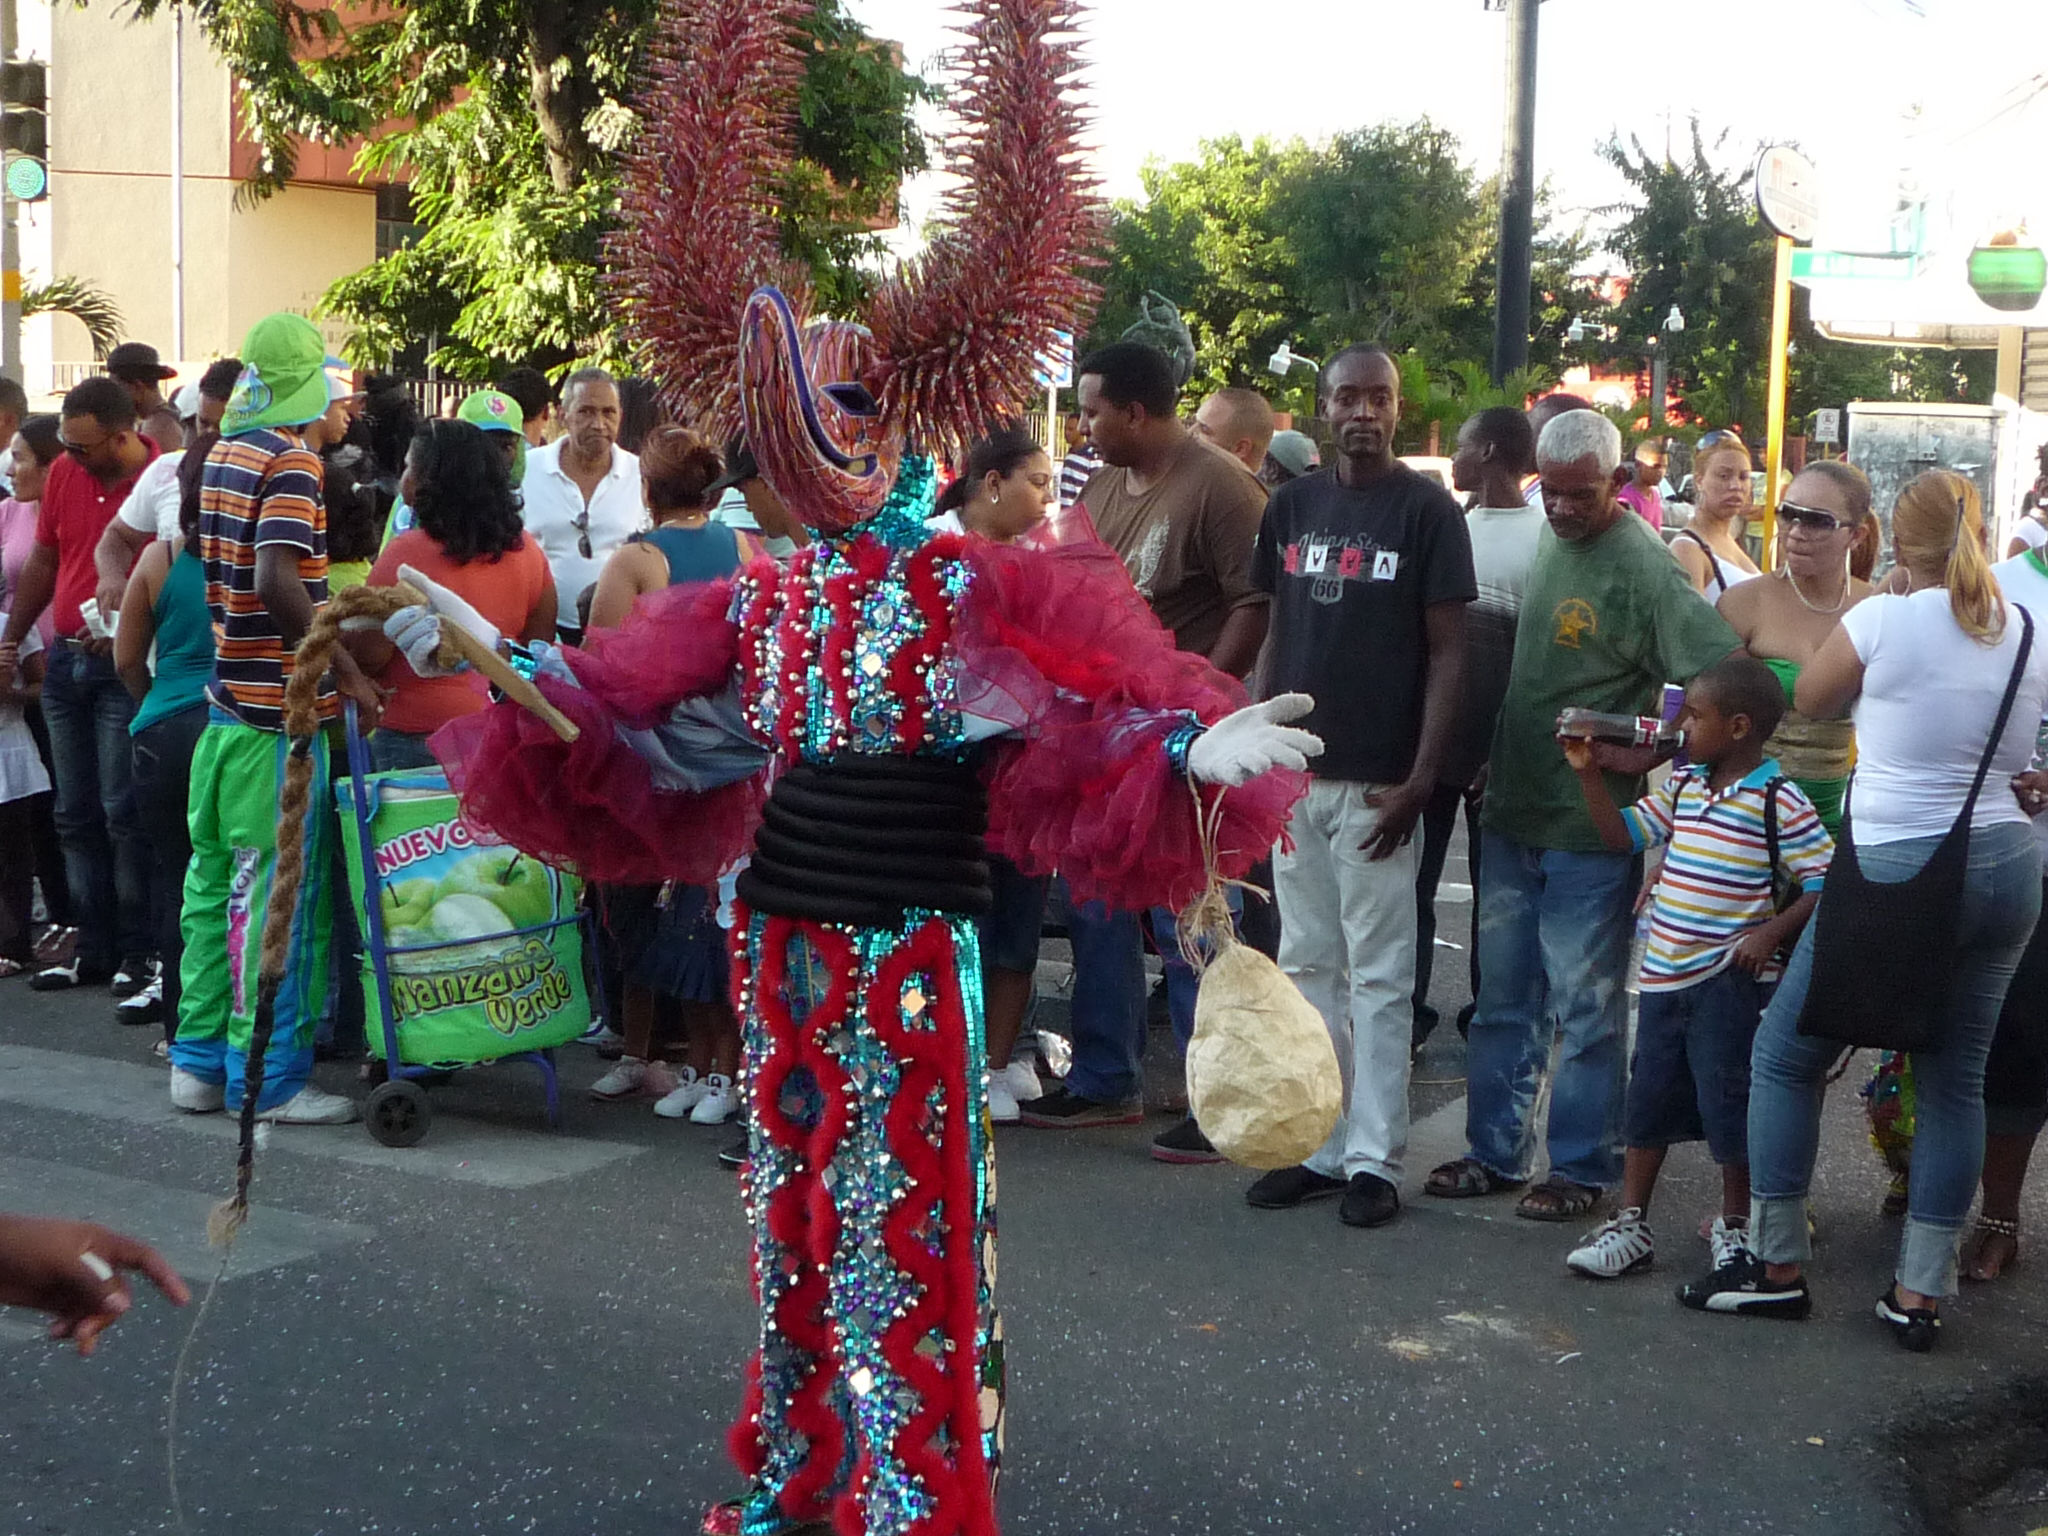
468,537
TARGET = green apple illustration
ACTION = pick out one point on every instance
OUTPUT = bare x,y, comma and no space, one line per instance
407,902
520,887
464,916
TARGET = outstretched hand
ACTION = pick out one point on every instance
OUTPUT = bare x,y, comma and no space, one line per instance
75,1271
1248,742
417,633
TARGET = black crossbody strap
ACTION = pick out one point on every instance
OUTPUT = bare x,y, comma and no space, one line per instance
2012,689
1771,822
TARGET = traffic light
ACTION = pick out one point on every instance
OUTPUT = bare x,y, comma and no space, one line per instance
24,128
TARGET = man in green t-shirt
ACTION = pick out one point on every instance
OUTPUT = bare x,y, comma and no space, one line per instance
1608,617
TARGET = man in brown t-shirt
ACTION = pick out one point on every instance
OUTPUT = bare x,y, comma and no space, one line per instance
1185,517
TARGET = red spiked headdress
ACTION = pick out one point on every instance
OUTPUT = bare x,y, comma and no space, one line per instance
951,342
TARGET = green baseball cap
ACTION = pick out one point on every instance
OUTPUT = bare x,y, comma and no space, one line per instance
490,410
284,376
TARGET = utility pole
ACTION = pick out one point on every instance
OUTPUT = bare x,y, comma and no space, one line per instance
177,180
10,237
1517,194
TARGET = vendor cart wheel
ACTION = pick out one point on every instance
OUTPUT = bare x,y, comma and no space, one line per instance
398,1113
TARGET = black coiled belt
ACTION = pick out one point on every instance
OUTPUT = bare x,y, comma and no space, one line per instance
859,840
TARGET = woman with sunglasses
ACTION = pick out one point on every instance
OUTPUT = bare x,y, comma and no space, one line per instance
1784,620
1709,546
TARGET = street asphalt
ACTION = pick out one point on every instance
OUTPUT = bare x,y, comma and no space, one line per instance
509,1329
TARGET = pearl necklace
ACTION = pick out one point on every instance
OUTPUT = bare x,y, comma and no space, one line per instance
1812,607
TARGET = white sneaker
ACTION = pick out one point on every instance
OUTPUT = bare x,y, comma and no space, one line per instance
1020,1079
1728,1239
624,1080
311,1106
1620,1247
145,1006
1002,1103
687,1094
720,1103
195,1095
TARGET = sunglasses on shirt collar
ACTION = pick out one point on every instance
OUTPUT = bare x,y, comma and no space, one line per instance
581,523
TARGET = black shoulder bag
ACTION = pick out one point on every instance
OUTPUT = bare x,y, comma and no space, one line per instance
1884,953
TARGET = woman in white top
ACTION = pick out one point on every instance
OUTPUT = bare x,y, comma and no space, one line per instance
1923,674
1709,546
2031,531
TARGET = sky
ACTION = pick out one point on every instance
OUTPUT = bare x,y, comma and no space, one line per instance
1837,77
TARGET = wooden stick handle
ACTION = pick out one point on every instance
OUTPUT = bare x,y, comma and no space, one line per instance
519,690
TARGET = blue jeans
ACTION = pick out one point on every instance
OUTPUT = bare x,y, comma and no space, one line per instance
1109,997
391,750
1554,931
106,856
1109,1004
1788,1072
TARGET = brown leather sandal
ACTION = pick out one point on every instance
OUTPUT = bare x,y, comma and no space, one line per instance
1557,1199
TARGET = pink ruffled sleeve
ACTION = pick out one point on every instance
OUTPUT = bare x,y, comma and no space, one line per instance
594,805
1056,644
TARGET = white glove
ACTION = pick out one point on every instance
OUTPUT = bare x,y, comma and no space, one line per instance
416,631
1244,744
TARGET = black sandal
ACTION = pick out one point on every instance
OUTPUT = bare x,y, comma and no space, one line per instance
1466,1178
1557,1199
1916,1328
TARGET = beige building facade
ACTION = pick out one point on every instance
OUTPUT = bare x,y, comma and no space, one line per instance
113,82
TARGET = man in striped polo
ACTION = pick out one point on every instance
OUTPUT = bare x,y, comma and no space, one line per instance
263,538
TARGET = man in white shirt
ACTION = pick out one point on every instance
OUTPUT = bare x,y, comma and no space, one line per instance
583,491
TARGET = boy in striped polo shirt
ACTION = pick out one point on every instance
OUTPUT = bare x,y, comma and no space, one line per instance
1714,945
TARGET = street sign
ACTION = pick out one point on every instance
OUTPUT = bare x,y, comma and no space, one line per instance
1827,426
1056,362
1788,192
1837,266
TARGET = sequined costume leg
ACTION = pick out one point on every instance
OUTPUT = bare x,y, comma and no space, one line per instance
890,1106
791,1440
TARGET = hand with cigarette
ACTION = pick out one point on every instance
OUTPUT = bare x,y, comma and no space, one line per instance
77,1272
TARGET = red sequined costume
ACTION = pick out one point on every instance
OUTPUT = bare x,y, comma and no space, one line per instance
864,723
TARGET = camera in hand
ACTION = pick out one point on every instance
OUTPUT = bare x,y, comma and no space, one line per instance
1620,730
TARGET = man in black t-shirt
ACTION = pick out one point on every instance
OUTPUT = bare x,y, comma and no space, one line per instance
1370,569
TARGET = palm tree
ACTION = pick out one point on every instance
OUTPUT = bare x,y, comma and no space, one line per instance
85,302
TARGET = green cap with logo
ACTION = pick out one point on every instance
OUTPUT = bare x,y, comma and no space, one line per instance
284,376
490,411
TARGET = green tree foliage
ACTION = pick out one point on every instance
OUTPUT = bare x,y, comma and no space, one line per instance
1689,235
506,117
1382,234
87,303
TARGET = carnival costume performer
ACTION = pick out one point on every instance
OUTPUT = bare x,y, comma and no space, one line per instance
865,723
